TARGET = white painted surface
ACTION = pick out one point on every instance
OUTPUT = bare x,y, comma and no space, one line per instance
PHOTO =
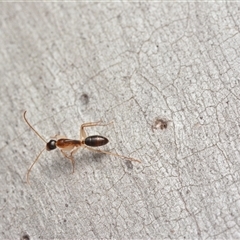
137,62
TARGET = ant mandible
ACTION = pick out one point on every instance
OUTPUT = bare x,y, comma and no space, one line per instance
68,145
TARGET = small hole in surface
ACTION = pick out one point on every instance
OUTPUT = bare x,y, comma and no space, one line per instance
84,98
25,237
129,164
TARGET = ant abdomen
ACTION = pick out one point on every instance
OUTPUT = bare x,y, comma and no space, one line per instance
95,141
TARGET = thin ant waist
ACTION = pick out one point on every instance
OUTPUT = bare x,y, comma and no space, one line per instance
63,143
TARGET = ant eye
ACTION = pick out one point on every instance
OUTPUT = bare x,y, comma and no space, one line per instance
51,145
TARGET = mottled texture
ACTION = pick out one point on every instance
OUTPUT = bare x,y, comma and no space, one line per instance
139,64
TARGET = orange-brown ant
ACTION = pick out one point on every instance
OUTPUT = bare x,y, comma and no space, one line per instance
71,146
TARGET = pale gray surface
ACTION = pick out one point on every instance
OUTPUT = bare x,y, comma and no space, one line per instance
136,62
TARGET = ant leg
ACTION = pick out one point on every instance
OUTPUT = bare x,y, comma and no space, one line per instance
113,154
70,157
29,170
57,137
83,134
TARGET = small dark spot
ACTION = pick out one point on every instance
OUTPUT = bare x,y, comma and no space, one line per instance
6,142
4,200
84,98
66,205
129,164
65,220
160,124
119,17
201,117
25,237
97,157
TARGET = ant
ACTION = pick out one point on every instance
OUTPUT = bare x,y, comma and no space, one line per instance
71,146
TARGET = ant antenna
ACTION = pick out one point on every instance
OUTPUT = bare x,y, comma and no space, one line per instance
28,172
24,116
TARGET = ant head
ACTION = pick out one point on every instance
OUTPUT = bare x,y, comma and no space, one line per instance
51,145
